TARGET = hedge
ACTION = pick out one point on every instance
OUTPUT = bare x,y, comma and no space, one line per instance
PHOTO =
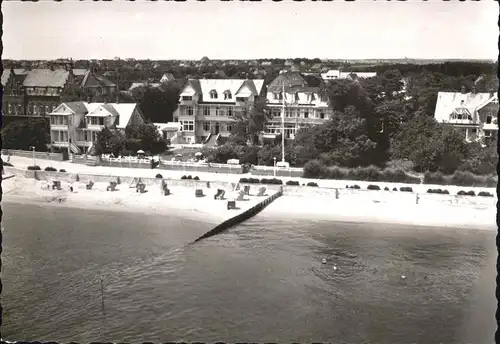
373,187
438,191
484,194
50,169
271,181
406,189
459,178
62,170
159,176
34,168
293,182
196,178
466,193
249,180
312,184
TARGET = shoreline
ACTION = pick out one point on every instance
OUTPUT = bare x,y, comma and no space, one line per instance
377,207
320,208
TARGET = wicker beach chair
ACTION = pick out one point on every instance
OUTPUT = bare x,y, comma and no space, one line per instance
241,196
56,185
141,187
111,186
89,185
247,189
220,194
262,192
199,193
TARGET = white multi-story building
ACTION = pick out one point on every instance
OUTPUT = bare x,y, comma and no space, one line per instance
475,114
207,108
334,74
305,104
76,124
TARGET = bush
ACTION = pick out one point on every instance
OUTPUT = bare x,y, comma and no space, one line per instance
189,177
5,163
434,178
461,178
249,180
406,189
159,176
386,189
314,169
312,184
183,177
357,187
196,178
438,191
34,168
466,193
373,187
484,194
395,189
62,170
243,180
271,181
293,182
50,169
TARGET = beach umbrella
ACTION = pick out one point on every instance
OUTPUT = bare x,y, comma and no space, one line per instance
140,151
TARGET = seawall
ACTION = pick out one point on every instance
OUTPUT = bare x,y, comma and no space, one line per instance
239,218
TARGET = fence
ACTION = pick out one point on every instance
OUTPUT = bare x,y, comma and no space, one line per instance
38,155
295,172
200,167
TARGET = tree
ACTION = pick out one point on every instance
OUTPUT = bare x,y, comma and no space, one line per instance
26,133
251,122
158,104
145,137
429,145
109,141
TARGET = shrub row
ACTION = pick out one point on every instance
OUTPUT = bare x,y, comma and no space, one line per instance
315,169
466,193
273,181
376,187
185,177
438,191
34,168
459,178
249,180
293,182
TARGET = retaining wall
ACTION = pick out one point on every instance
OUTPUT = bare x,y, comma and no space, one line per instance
38,155
237,219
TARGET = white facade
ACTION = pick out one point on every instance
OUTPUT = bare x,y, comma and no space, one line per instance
76,124
335,74
475,114
207,107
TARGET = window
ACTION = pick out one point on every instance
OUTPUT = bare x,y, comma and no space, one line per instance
217,111
206,111
229,127
474,130
206,126
227,94
187,98
322,115
188,111
241,99
488,119
9,108
306,114
276,96
47,109
213,94
230,112
187,125
487,133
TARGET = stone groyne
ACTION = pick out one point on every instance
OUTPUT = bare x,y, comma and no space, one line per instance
243,216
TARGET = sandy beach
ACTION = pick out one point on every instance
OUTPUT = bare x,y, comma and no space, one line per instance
313,203
181,202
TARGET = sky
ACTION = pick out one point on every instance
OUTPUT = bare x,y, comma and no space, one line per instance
250,30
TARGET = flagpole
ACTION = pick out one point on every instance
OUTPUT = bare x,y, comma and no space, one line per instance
283,126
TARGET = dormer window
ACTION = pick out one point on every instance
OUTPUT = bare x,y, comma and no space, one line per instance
213,94
227,94
276,96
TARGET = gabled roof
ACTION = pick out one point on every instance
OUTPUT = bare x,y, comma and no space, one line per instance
235,86
448,102
125,112
289,79
46,78
77,107
93,80
19,75
5,76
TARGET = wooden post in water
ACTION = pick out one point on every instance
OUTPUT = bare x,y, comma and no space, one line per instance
102,295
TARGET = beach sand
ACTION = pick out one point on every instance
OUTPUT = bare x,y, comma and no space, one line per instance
366,208
181,202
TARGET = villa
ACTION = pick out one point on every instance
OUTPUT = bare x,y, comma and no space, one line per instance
74,125
475,114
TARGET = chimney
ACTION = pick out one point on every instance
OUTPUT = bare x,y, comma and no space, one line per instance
463,90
